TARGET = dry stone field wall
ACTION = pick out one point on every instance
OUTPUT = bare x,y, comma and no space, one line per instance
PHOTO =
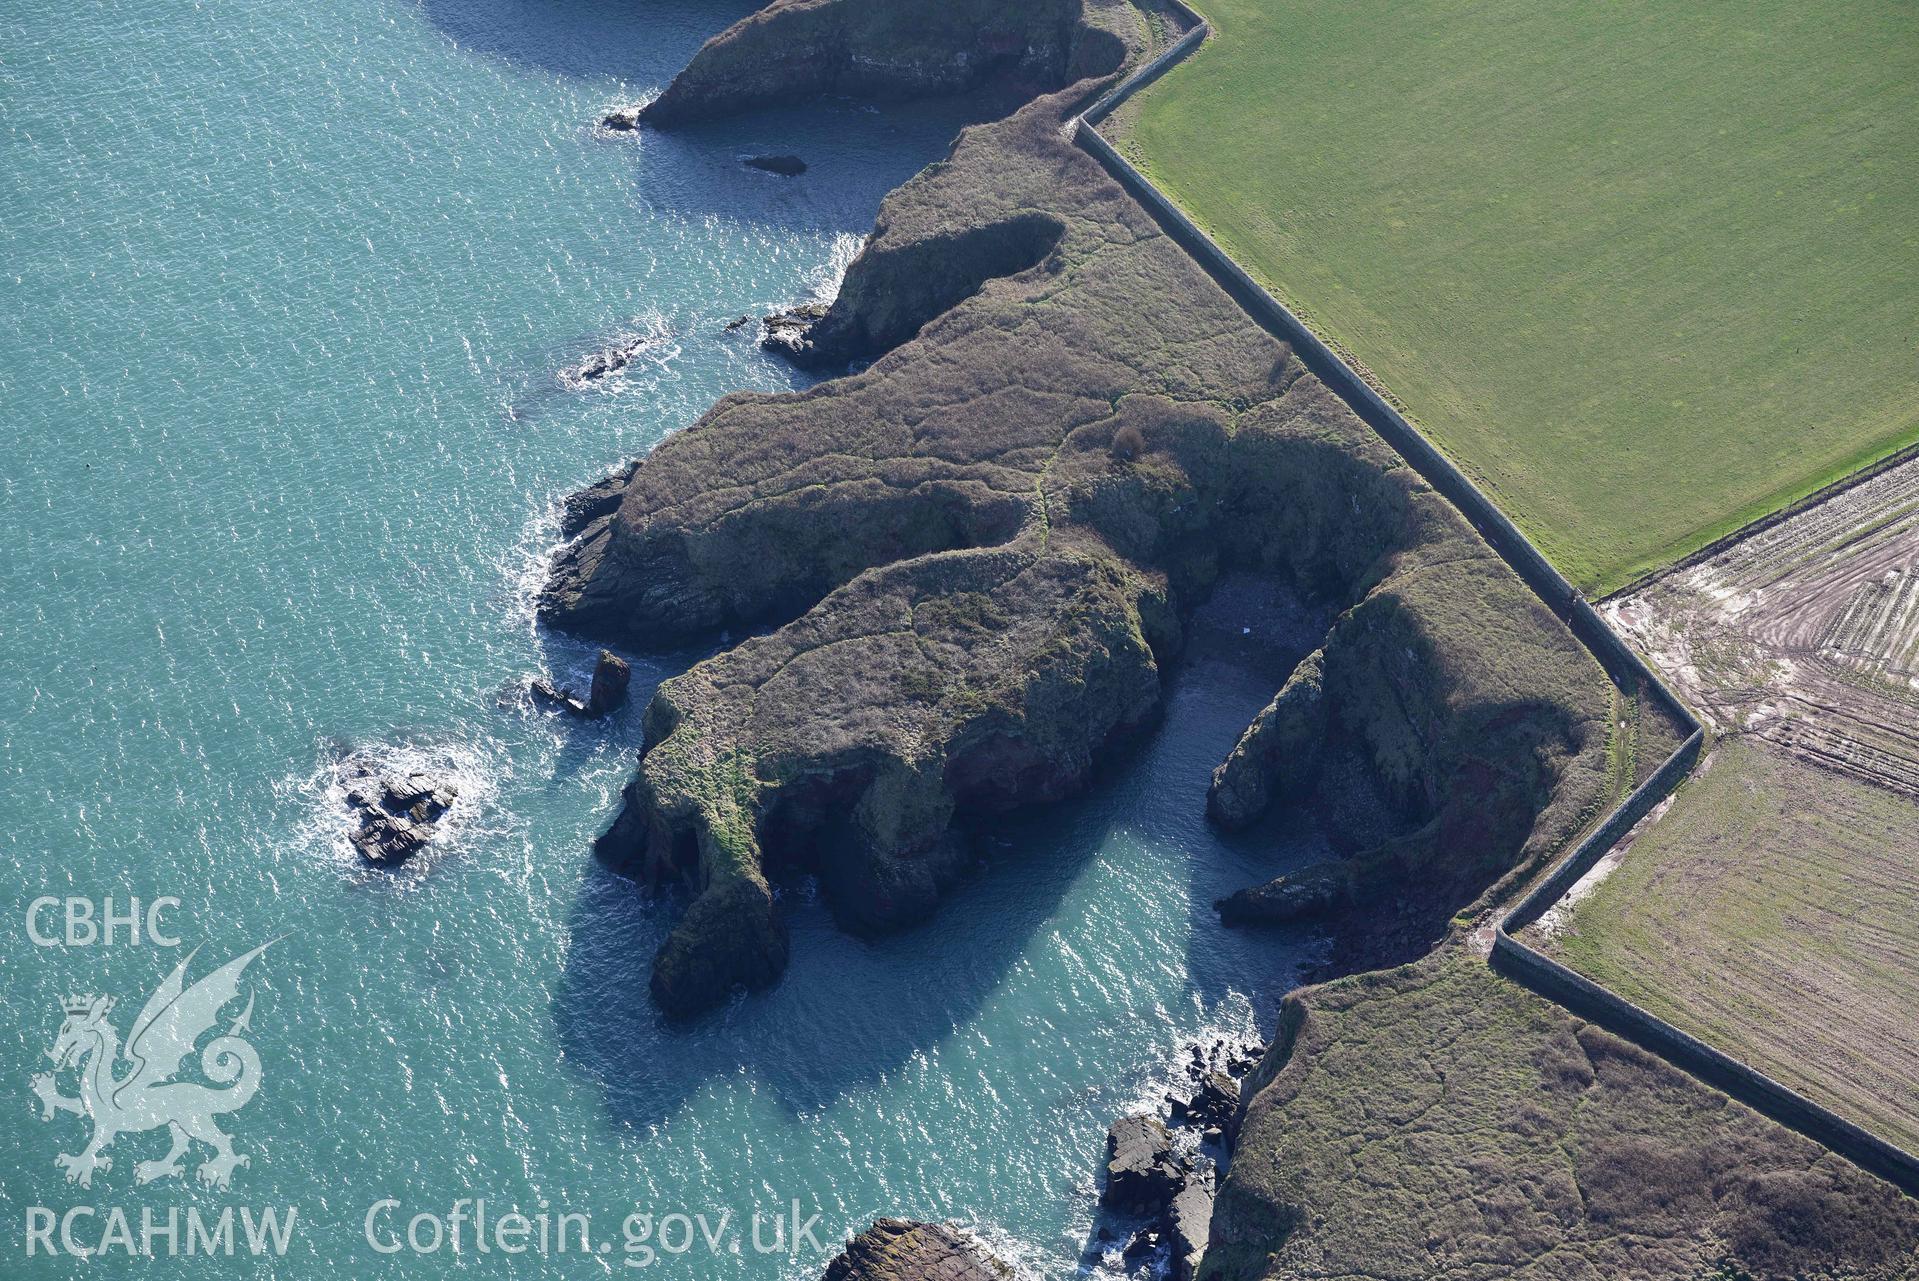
1492,524
1844,579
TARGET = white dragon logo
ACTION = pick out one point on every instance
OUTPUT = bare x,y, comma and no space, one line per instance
146,1096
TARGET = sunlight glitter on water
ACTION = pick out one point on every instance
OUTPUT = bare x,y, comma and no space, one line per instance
290,439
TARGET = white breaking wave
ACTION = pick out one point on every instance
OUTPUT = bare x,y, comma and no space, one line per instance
831,274
525,566
1028,1261
473,770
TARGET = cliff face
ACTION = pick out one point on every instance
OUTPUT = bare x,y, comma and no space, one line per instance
969,563
884,49
975,556
899,283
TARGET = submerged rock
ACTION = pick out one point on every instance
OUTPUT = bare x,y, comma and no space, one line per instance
622,119
608,360
901,1250
557,697
394,815
785,166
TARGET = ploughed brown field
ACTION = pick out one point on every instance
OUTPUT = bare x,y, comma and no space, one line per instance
1774,913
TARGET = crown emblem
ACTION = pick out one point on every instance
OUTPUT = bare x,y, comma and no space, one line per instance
176,1018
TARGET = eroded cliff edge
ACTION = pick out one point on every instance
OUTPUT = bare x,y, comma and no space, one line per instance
974,559
970,564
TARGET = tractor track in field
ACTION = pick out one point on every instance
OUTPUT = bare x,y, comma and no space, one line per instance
1805,634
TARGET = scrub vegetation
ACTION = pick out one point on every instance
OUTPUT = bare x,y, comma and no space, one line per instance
947,582
1646,270
1437,1121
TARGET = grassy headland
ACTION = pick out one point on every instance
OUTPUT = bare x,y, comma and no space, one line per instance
959,574
1437,1121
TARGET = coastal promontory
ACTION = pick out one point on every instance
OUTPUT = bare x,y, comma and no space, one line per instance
963,575
949,584
797,49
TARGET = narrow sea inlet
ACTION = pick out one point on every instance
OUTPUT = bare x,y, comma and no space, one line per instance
290,288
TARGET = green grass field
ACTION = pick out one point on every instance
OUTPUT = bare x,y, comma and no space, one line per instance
1774,912
1647,270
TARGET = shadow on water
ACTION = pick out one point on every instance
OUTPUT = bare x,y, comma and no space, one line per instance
855,154
846,1012
1241,646
850,1011
640,41
694,194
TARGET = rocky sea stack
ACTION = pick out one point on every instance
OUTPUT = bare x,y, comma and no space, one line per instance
611,675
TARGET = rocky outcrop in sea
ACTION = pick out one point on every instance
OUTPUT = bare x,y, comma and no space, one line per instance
608,360
394,815
902,1250
611,676
622,119
1162,1170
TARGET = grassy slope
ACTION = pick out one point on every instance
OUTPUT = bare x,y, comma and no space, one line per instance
1773,913
1647,270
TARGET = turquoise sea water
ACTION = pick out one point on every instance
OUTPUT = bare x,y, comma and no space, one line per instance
280,438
